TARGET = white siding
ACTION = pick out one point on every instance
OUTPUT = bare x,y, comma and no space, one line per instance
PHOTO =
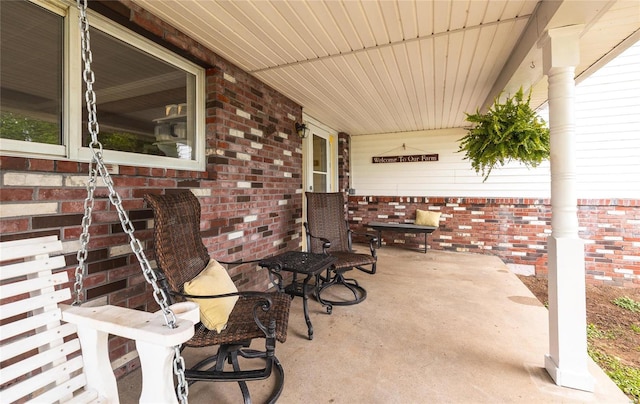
607,150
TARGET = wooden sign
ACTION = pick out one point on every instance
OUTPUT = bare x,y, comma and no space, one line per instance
414,158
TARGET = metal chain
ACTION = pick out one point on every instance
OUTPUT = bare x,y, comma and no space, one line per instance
97,161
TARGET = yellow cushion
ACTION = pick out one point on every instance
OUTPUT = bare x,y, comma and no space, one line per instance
213,280
427,218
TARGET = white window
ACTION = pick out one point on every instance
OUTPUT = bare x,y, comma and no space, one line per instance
149,101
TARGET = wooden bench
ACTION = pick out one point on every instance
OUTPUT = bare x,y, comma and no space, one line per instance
402,228
53,353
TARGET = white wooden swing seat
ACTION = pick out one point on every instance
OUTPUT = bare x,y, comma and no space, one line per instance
41,357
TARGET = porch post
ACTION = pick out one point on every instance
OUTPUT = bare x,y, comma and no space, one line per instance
567,358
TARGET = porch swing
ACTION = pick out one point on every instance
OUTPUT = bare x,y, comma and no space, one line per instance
42,359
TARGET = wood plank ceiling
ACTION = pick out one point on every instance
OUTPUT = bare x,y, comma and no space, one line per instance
365,66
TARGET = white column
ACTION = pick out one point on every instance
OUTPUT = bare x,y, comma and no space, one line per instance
567,359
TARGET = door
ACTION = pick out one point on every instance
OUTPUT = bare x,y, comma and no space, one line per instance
320,181
320,158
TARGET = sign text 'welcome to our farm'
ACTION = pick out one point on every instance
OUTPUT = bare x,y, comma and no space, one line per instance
414,158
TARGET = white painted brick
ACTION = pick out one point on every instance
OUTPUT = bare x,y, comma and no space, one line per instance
400,207
242,113
488,247
383,216
477,220
201,191
633,221
393,203
299,191
452,205
602,278
459,208
519,253
288,175
356,219
300,220
244,184
603,251
81,181
287,153
32,179
236,132
70,246
256,145
283,202
461,249
507,245
229,78
465,227
613,238
28,209
257,132
536,246
636,244
589,241
464,235
278,162
235,235
479,243
623,271
363,203
401,213
445,237
605,225
283,135
291,116
477,212
529,217
118,250
615,212
278,242
521,269
538,223
631,258
520,238
243,156
250,218
444,244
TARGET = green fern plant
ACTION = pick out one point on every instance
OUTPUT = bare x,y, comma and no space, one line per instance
508,131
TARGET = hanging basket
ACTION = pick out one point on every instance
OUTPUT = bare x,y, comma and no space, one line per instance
509,131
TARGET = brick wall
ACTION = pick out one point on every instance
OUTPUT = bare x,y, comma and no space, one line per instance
515,230
250,192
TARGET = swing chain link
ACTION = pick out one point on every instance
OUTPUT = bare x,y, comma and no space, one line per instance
97,161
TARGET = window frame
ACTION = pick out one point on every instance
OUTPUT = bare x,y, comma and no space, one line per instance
73,99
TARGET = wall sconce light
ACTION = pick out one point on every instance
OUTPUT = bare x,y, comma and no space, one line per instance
302,130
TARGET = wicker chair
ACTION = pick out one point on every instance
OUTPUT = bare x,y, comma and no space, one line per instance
181,255
328,231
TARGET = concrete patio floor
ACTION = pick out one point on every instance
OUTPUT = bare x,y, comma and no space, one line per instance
435,328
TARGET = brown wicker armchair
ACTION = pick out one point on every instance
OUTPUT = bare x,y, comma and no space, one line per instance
181,255
328,232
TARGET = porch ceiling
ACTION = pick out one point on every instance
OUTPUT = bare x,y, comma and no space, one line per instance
379,66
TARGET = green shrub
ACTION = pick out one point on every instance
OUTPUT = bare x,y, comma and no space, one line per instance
628,304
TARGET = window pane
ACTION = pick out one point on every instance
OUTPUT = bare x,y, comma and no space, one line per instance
144,105
30,73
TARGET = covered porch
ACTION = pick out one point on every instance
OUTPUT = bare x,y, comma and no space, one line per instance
436,327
